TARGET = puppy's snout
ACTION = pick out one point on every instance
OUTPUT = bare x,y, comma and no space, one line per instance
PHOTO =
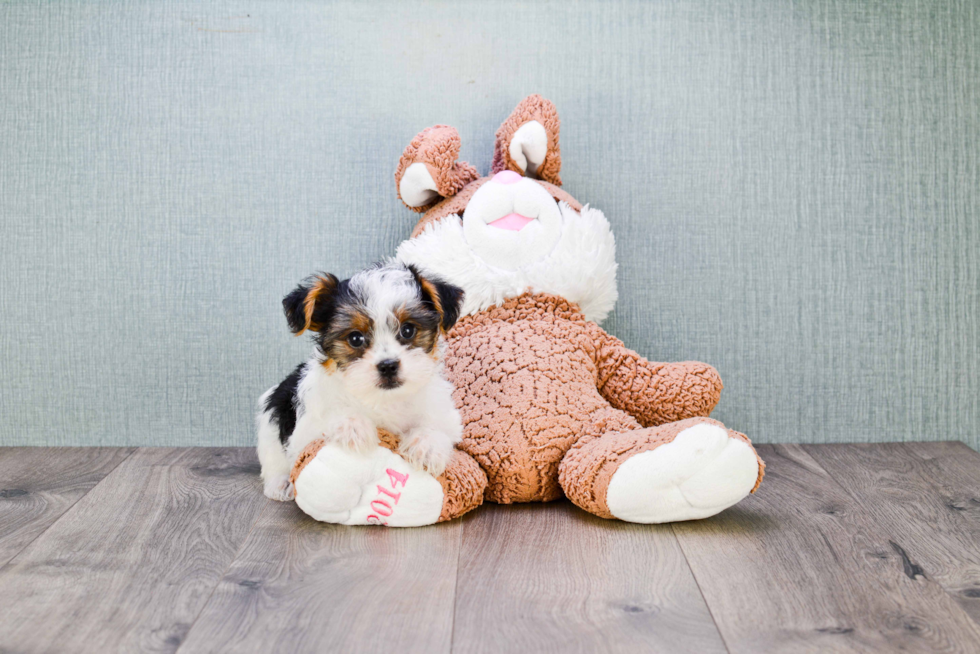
388,367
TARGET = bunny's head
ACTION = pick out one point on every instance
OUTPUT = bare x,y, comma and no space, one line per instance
513,231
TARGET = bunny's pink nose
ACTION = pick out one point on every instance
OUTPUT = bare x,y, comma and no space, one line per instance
506,177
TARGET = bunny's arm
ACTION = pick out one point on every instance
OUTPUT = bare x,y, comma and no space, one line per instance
653,393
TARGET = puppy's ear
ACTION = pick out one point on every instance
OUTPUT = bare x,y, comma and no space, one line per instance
445,299
311,304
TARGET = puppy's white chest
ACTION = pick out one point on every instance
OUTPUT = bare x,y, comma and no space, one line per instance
399,418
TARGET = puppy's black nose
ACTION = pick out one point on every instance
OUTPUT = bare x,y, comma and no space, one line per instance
389,367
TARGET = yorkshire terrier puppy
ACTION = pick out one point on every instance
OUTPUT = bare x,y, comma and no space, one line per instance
377,362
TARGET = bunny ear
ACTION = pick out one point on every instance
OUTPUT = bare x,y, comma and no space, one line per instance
527,142
428,170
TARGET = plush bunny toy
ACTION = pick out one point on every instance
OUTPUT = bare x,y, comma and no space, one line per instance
552,405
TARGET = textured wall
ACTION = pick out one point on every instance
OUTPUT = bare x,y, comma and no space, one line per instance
794,186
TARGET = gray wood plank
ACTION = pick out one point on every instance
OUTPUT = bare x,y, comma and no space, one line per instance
928,495
552,578
303,586
802,567
130,567
38,484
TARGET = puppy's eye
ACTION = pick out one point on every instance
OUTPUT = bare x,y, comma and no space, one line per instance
355,339
407,331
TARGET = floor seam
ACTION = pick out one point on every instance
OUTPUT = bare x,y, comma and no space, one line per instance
68,510
459,555
690,568
224,573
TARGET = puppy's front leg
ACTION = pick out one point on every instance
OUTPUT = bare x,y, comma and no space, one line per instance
355,432
428,448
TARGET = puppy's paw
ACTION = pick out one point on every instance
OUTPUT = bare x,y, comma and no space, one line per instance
355,433
279,488
427,449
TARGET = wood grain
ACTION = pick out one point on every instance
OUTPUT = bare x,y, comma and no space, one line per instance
38,484
552,578
132,564
852,548
802,567
303,586
928,495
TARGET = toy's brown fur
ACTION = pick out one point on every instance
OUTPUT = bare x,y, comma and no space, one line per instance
534,380
437,147
533,107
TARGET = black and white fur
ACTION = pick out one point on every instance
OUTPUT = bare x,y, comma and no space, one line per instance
377,362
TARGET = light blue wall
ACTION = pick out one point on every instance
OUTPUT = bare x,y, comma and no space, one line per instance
795,187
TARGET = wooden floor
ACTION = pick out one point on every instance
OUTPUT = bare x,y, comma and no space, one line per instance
844,548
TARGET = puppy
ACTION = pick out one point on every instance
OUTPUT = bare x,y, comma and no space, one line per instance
377,362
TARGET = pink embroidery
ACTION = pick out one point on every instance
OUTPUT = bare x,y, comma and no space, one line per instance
394,496
394,477
380,506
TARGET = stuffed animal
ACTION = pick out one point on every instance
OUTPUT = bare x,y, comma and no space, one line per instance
552,405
